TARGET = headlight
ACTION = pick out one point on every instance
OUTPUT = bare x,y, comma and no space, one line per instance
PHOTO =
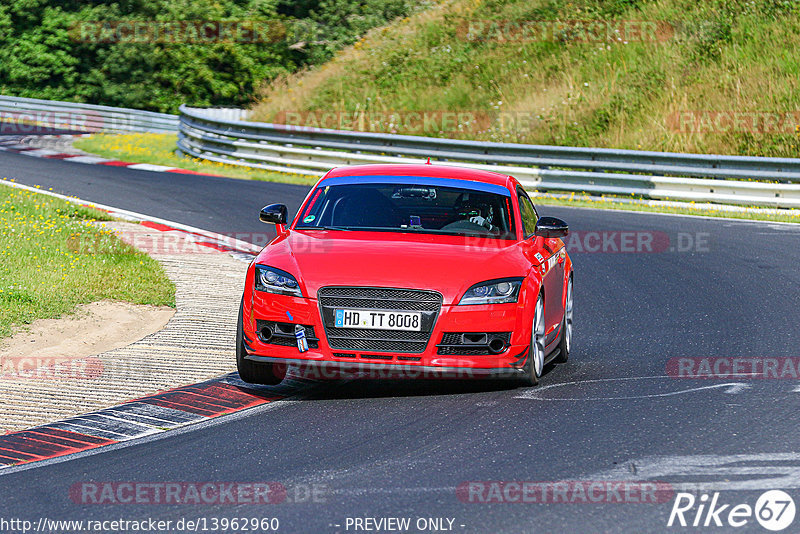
274,280
493,292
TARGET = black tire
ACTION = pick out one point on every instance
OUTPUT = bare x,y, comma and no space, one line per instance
564,345
531,375
563,352
529,379
249,371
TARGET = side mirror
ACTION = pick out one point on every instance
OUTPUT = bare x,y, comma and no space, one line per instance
274,214
551,227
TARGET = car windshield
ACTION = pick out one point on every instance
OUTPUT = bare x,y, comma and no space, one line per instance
404,207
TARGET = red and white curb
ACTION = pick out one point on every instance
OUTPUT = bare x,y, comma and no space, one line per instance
14,145
137,418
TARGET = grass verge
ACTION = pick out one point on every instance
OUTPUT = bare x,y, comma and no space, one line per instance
159,149
45,272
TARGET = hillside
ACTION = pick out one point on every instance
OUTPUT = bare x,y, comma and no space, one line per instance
718,76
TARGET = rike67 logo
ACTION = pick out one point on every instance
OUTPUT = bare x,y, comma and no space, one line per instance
774,510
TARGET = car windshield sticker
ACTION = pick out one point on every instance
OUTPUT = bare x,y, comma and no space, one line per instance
309,219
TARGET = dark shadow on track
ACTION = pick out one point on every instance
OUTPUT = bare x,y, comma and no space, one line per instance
373,388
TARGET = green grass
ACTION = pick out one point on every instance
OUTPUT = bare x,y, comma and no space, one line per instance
722,55
159,149
54,257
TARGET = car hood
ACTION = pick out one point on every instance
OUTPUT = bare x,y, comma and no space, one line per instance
447,264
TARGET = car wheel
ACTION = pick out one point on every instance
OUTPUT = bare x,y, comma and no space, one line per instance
536,356
566,328
251,372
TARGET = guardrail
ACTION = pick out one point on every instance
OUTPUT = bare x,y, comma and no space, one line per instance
31,115
773,182
222,135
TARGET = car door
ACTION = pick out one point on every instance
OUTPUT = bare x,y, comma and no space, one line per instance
547,256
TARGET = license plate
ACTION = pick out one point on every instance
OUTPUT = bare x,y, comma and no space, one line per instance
378,320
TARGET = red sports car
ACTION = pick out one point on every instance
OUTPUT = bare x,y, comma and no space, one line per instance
418,270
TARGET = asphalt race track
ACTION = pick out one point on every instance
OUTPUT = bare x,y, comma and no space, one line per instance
222,205
709,289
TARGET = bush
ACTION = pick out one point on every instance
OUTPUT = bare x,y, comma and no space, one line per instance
45,56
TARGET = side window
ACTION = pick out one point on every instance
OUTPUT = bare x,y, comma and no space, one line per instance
528,214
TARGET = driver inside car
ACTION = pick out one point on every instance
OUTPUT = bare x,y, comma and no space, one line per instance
473,213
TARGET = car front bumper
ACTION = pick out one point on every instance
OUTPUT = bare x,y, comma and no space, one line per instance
509,318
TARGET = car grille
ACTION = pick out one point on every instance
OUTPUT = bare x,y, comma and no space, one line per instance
370,298
384,299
